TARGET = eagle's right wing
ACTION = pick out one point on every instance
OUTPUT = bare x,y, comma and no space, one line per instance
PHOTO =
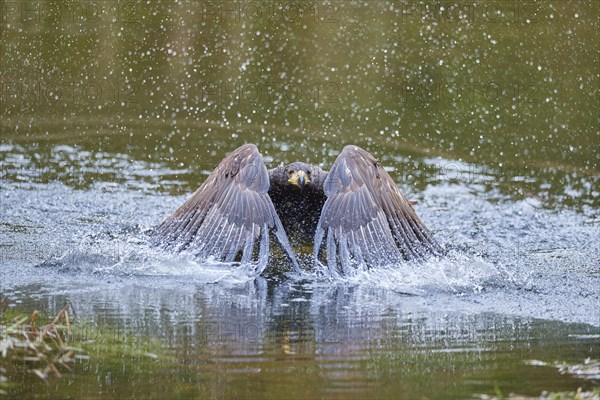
228,214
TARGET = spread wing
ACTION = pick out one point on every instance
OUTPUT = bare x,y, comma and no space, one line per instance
228,214
366,220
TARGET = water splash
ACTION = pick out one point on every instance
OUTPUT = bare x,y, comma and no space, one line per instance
503,255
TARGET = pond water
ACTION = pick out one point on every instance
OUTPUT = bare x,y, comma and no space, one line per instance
112,113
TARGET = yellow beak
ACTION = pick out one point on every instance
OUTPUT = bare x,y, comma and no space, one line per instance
299,179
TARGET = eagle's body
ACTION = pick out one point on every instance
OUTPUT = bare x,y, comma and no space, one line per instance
301,205
354,215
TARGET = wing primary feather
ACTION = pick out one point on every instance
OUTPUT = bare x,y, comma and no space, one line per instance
249,246
285,243
344,255
187,228
367,245
239,243
215,244
377,231
407,239
356,250
376,248
263,254
173,226
226,249
400,236
331,253
207,230
318,243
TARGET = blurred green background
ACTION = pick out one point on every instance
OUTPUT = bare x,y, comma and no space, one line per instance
512,86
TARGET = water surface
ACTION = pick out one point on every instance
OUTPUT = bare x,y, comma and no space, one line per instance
487,117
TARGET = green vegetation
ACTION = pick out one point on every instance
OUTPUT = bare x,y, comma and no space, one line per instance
44,351
589,370
48,348
579,394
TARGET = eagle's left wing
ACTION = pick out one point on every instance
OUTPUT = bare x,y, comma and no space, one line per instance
366,220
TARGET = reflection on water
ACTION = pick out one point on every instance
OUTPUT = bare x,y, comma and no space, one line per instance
310,340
